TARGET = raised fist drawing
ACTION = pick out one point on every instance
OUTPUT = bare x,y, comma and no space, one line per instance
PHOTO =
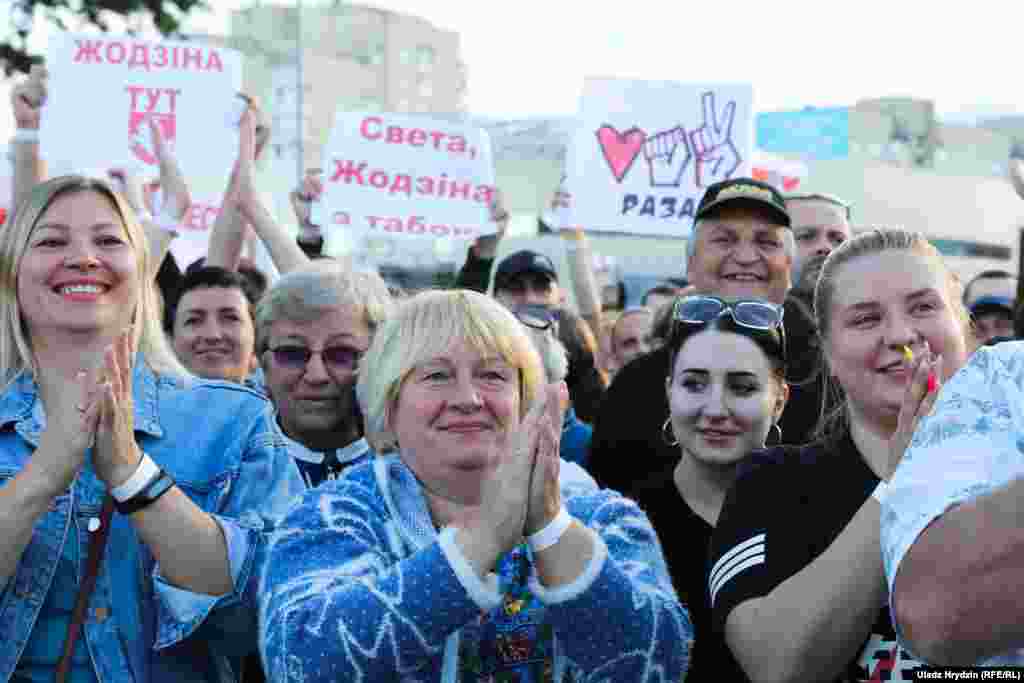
668,154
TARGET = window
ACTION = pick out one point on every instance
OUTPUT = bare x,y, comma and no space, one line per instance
405,57
425,57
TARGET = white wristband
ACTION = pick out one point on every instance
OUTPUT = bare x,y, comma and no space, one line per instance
146,470
880,491
25,135
550,535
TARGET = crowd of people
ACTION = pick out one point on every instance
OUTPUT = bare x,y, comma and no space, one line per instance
800,463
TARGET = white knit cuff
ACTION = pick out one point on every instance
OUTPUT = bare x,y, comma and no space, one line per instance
484,594
579,585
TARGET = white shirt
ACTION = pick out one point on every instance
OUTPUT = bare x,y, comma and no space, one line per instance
971,444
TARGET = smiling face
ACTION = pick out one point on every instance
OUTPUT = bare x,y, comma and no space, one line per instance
213,333
723,396
79,272
882,302
740,254
316,401
452,419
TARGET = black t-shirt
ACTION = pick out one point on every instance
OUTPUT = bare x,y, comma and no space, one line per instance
685,538
785,509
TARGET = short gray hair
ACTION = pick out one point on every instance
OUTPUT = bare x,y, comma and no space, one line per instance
552,353
788,241
305,294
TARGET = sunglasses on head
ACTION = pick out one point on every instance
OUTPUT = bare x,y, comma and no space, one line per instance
748,313
296,357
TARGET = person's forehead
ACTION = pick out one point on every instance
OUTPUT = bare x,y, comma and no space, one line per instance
993,287
744,217
886,276
338,322
212,298
722,351
817,213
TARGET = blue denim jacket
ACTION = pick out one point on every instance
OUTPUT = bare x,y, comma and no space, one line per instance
214,439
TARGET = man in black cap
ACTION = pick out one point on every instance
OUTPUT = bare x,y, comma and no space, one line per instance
989,297
741,247
527,277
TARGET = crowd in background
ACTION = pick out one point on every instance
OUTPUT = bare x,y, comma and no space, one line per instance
270,464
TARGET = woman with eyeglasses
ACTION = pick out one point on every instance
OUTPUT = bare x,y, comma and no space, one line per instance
726,391
796,580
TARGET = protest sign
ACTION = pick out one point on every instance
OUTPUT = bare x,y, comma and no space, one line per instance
413,179
644,152
102,91
783,174
812,134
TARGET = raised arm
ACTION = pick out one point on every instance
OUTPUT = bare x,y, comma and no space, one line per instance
27,100
475,273
951,532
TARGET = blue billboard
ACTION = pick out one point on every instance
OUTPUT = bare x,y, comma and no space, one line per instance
813,134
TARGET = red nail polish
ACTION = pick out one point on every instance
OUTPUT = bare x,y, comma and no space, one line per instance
933,383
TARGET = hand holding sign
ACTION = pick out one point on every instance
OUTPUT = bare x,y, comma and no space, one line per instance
716,153
668,154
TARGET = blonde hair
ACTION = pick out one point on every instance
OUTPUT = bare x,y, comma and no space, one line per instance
305,294
426,326
147,333
872,241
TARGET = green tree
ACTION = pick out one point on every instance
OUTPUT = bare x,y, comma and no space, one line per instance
167,16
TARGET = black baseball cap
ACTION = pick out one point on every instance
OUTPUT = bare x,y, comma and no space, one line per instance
521,262
748,190
992,304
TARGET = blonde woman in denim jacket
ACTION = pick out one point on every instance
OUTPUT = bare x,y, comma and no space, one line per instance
94,404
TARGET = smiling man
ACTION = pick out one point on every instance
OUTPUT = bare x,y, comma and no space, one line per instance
742,247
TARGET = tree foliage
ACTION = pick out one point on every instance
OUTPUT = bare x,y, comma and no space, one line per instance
78,14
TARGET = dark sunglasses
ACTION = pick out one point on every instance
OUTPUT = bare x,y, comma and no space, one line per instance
751,314
296,357
536,317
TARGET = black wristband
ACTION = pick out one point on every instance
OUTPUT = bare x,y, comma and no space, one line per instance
160,484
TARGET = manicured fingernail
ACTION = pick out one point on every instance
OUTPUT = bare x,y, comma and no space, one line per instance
908,355
933,382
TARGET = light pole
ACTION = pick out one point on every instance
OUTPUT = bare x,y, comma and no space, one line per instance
300,159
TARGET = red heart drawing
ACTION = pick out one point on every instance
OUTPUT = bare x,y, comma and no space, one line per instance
620,149
790,183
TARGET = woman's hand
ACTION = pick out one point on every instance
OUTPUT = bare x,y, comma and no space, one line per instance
545,495
302,199
242,188
71,421
918,400
116,455
28,98
176,197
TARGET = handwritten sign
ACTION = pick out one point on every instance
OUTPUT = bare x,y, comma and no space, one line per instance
407,178
645,151
104,87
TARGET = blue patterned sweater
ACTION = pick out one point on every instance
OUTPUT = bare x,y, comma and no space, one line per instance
358,586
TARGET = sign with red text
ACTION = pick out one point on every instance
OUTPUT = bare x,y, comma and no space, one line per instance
645,151
408,178
103,88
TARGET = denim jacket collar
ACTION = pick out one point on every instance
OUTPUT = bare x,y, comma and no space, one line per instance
16,404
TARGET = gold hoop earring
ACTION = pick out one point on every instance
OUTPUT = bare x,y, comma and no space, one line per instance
667,435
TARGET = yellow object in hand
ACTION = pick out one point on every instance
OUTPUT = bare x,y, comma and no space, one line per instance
908,354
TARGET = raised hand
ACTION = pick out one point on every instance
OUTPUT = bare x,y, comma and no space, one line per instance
28,98
71,422
712,145
545,495
116,455
130,186
922,389
302,198
668,155
176,197
242,189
